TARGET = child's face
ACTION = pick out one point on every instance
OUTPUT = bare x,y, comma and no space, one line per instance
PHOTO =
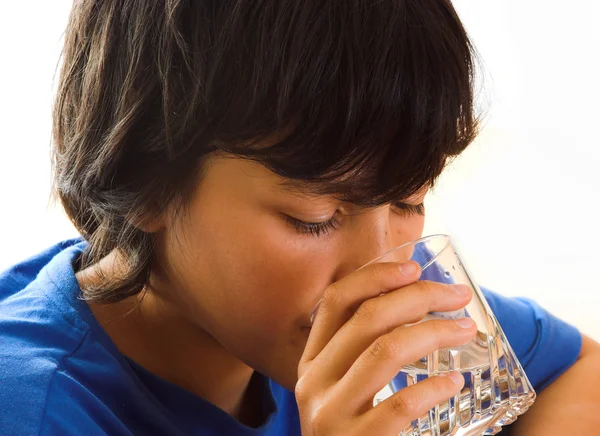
244,274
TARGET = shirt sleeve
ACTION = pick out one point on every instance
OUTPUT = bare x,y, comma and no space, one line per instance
545,345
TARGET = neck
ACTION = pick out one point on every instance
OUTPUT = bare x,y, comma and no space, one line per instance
151,332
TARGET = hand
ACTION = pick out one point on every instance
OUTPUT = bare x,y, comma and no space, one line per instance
359,342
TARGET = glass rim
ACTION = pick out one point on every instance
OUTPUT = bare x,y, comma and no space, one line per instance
415,242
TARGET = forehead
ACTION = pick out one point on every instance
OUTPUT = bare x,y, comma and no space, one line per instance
346,188
338,189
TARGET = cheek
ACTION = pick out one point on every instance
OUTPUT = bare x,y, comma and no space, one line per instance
254,275
417,227
406,229
284,277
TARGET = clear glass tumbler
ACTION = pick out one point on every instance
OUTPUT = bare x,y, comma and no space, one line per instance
496,388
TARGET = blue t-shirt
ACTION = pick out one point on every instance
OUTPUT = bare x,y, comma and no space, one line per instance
60,374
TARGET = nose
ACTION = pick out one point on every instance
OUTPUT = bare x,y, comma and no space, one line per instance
371,236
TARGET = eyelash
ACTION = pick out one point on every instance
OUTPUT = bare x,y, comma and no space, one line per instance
411,209
325,227
314,229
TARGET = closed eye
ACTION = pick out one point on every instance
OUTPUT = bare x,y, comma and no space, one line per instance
315,229
410,209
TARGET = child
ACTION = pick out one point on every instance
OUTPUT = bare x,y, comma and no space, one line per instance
229,164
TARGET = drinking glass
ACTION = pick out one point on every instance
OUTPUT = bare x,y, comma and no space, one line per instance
496,388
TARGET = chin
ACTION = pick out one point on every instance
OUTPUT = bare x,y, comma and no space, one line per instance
284,371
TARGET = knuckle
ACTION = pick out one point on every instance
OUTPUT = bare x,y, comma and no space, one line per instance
383,348
318,423
433,294
377,270
404,404
440,328
321,421
382,271
424,287
441,384
314,411
439,331
365,312
331,298
302,390
425,298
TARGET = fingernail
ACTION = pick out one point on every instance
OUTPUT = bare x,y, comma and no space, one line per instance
456,377
460,289
408,268
314,312
464,323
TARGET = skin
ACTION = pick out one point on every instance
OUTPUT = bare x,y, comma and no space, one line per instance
236,283
570,404
234,286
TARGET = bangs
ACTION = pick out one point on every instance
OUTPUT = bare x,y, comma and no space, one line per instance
362,99
367,100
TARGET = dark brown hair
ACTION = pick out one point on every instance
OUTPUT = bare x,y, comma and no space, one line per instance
374,96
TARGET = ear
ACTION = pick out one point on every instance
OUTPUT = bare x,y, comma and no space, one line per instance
151,226
147,223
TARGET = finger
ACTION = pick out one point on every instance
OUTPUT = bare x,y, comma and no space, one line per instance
380,315
343,297
386,356
395,413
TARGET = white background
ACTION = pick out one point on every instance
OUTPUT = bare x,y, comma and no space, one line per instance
522,202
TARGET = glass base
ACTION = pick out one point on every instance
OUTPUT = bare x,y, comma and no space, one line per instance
495,393
489,423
